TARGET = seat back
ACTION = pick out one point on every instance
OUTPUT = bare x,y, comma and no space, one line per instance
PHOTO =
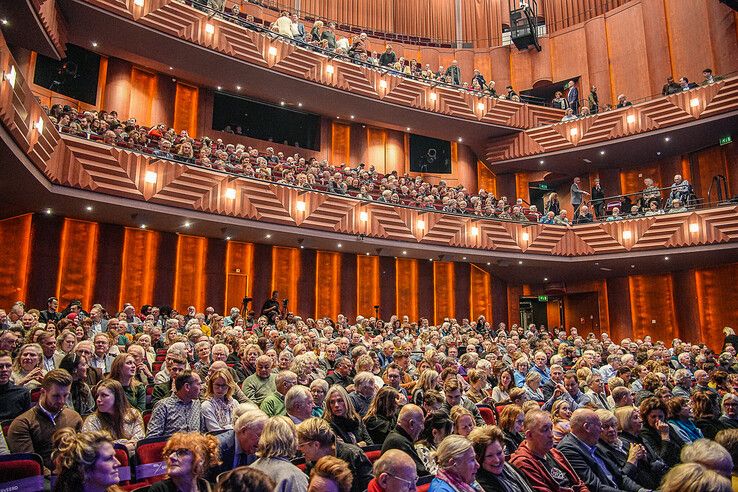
487,414
372,452
150,465
299,462
21,471
124,470
423,483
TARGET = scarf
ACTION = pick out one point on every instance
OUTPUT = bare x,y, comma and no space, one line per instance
454,481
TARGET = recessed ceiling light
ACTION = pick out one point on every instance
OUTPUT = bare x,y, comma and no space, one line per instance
186,224
338,117
488,263
666,139
268,236
138,3
352,117
461,139
407,129
367,253
404,252
430,259
545,279
281,103
302,247
602,152
464,258
632,266
48,211
171,68
228,238
94,44
540,162
143,226
658,153
88,208
340,245
666,258
299,105
520,262
220,88
238,87
4,21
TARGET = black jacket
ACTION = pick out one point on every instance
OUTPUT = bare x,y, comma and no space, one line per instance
350,431
399,439
358,463
710,426
668,451
644,474
494,483
379,426
590,472
14,400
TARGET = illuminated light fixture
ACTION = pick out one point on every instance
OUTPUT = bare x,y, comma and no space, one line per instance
268,236
300,206
488,263
602,152
420,224
407,129
186,224
273,50
525,236
150,177
666,258
694,227
694,102
10,76
363,216
340,245
209,28
171,68
281,103
94,44
299,105
138,3
228,238
329,69
480,106
573,132
630,119
4,22
464,258
39,125
49,211
352,117
404,252
545,279
230,193
433,96
238,87
475,231
143,226
220,88
367,253
460,139
520,262
541,162
627,235
88,208
383,84
666,139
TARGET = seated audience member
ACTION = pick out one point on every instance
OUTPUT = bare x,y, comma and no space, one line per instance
729,406
693,477
115,415
189,457
381,417
14,400
341,373
657,434
28,370
176,365
394,471
544,466
123,369
462,419
31,431
437,426
316,440
277,446
728,439
262,382
580,449
494,473
364,391
238,446
219,404
705,419
343,419
505,382
273,405
709,454
180,412
457,465
680,419
85,462
299,404
319,388
410,424
330,474
245,479
622,397
560,415
452,392
511,423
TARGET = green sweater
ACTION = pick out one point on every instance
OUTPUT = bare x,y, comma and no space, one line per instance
257,389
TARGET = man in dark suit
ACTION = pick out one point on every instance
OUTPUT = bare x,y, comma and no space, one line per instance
598,199
580,449
238,446
573,97
403,437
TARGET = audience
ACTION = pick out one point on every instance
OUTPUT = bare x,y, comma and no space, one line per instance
84,461
189,456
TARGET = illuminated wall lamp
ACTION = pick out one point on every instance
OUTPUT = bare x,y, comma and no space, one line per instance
421,224
209,28
363,216
694,102
626,235
300,206
383,84
272,51
150,177
138,3
10,76
475,231
630,119
694,227
433,96
39,125
230,193
573,132
526,236
329,69
480,106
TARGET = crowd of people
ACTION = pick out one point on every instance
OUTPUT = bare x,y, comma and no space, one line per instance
470,404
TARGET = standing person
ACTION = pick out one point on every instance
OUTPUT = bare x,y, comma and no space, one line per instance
573,96
454,72
577,195
594,100
598,199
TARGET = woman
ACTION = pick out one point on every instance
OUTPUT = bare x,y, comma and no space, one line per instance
680,419
341,415
630,425
123,369
85,462
115,415
729,407
477,382
559,101
532,387
553,205
189,457
693,477
315,32
560,415
27,369
318,389
501,392
80,397
457,466
381,417
511,423
277,446
428,380
437,426
657,434
494,473
219,404
730,338
463,420
65,342
705,421
245,479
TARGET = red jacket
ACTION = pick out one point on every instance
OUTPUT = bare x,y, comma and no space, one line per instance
538,477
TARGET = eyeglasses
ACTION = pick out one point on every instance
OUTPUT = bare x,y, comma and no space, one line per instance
180,452
410,484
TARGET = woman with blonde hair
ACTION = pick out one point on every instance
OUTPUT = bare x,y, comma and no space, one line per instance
428,380
277,446
85,462
219,405
189,457
560,415
341,415
115,415
463,420
27,369
457,466
693,477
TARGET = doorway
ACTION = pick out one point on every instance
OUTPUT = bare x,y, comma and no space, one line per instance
542,310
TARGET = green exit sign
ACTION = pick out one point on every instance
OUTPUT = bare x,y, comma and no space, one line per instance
726,140
542,298
543,186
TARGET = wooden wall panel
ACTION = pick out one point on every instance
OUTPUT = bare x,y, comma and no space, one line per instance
618,303
327,284
189,274
376,139
626,41
367,284
185,108
480,293
15,247
143,89
514,293
239,273
77,259
717,302
138,267
285,273
406,288
340,144
482,22
486,178
582,311
347,285
553,314
652,306
443,291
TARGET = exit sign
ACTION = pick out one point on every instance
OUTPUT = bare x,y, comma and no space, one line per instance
542,298
726,140
543,186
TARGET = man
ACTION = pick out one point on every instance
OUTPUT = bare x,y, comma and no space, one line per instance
709,78
164,150
330,474
545,467
562,218
329,36
14,400
539,365
393,378
682,383
31,432
580,448
298,28
180,412
556,381
342,373
622,396
574,395
388,58
299,403
385,356
680,189
364,390
403,436
452,392
101,359
315,439
274,405
598,199
50,313
394,471
686,85
9,340
454,72
260,384
611,368
596,391
99,324
670,87
576,196
176,365
48,346
573,96
238,446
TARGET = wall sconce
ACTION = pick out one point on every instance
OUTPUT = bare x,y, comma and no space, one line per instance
272,51
383,84
694,102
525,236
300,206
433,96
627,235
138,3
209,28
329,69
150,177
475,231
39,125
694,227
10,76
630,119
420,224
230,193
363,216
480,106
573,132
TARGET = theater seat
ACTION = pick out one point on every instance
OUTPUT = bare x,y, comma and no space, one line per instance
299,463
150,464
21,471
372,452
487,414
424,483
124,471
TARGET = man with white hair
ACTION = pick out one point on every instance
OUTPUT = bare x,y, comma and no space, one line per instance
274,404
299,403
238,446
682,383
364,390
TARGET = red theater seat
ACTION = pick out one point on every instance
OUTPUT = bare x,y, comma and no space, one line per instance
150,464
372,452
424,483
124,471
487,414
22,471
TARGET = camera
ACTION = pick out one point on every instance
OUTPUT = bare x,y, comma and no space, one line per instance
247,300
284,302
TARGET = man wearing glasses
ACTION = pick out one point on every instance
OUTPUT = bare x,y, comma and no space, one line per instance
394,471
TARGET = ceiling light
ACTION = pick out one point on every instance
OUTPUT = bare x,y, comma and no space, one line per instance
230,193
433,96
10,76
171,68
138,3
186,224
545,279
383,84
340,245
329,69
475,231
658,153
4,21
299,105
464,258
281,103
404,252
488,263
420,223
666,258
209,28
150,177
94,44
367,253
460,139
143,226
48,211
228,238
352,117
272,50
302,247
88,208
520,262
630,119
541,162
694,227
220,88
363,216
300,206
627,235
238,87
602,152
480,106
694,102
338,117
39,124
632,266
666,139
407,129
573,132
268,236
526,236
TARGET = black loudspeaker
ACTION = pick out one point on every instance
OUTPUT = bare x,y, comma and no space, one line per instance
523,30
733,4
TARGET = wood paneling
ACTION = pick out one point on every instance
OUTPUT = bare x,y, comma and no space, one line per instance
185,108
367,284
138,267
480,293
717,302
406,288
286,270
143,90
239,268
15,247
340,144
652,306
444,292
327,284
189,274
77,260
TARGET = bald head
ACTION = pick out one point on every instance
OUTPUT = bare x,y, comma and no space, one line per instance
410,420
394,470
586,426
